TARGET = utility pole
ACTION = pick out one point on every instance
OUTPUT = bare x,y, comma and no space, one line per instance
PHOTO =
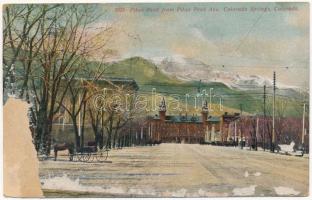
264,100
257,133
241,135
241,108
235,133
273,120
264,116
303,129
199,86
198,94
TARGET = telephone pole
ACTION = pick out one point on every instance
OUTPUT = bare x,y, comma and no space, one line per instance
273,120
303,129
199,86
264,116
241,108
257,133
235,137
264,101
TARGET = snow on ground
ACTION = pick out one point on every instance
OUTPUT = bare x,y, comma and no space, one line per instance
246,174
66,184
287,147
177,170
285,191
245,191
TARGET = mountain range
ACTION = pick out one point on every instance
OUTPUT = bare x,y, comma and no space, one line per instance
188,69
186,76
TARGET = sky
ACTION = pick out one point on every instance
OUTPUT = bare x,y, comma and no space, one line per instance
246,38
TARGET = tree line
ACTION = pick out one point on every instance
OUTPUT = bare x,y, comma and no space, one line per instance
47,54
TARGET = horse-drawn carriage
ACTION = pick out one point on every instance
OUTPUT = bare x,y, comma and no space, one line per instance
88,153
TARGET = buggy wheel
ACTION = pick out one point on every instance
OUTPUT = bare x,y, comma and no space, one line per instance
80,156
102,156
75,157
85,157
91,158
71,157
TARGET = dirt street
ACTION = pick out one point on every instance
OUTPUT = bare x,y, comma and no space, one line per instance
178,170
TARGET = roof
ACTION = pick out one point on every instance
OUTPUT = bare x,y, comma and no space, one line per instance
183,119
188,118
230,117
213,119
115,80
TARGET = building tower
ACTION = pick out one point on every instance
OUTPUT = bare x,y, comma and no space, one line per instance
162,109
205,112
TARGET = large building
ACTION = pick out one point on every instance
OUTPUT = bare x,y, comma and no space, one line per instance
184,128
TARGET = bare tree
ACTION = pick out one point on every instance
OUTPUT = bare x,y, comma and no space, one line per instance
20,24
116,110
50,41
80,91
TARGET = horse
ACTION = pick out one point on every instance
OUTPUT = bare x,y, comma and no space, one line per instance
91,143
153,142
62,147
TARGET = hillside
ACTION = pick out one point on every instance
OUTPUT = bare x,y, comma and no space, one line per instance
141,70
148,76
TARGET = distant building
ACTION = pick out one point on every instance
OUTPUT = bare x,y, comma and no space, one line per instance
108,82
184,128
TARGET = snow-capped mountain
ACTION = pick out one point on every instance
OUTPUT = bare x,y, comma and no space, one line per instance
189,69
248,82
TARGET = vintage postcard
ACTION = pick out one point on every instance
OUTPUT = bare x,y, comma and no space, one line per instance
158,100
